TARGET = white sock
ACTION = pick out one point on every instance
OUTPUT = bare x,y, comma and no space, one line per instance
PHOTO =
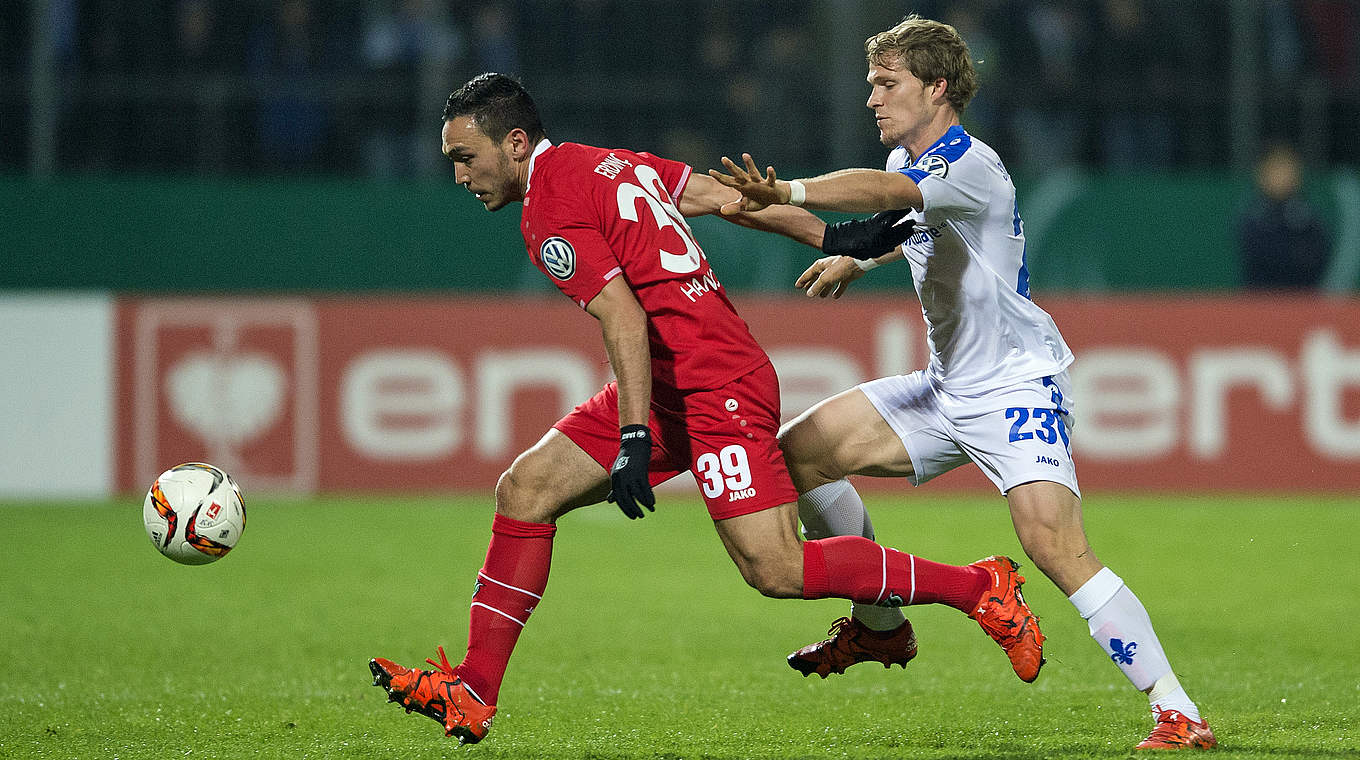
1167,694
1121,626
835,509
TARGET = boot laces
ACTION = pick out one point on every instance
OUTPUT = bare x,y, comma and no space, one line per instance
837,627
443,665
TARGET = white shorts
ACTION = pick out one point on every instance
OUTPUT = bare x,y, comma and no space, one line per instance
1016,434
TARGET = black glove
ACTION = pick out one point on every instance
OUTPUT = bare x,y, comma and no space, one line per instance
867,238
628,476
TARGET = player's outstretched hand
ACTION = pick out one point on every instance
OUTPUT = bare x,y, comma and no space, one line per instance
628,476
757,191
868,238
829,276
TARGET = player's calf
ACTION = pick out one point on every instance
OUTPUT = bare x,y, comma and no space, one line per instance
765,547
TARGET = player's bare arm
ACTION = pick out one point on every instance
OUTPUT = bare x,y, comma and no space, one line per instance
705,195
850,190
832,275
624,326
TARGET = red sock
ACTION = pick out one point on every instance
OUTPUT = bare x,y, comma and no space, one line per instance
858,569
509,586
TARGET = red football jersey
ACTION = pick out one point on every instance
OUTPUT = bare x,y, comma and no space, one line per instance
593,214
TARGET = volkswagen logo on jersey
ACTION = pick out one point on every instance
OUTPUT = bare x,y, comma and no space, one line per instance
558,257
933,164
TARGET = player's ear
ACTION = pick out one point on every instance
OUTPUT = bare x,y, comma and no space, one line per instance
939,88
517,144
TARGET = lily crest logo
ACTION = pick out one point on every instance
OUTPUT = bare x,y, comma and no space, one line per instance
1122,653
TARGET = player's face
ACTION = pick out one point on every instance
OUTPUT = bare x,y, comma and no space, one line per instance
480,164
901,104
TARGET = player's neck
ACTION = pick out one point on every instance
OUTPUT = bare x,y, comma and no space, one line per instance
522,172
945,119
524,169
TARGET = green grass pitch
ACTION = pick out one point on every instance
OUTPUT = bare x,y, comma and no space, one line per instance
647,643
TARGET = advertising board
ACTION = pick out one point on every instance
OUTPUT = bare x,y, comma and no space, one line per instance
420,394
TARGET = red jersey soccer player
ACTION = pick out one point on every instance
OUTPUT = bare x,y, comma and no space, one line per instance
693,392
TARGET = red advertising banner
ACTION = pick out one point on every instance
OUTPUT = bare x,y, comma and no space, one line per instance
227,382
343,394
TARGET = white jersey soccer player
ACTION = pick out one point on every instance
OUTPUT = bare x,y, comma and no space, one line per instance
995,391
985,332
967,260
991,347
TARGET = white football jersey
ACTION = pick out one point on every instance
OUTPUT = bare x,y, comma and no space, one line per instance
968,262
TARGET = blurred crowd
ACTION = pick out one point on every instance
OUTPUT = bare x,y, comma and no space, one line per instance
355,87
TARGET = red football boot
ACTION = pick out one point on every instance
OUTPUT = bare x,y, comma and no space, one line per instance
1003,614
850,641
1175,731
437,694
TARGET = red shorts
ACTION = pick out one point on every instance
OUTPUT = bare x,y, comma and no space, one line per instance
726,437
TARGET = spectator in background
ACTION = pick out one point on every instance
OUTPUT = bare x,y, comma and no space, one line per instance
1335,32
728,87
1282,241
1283,41
493,28
286,59
1049,120
194,30
1136,66
1332,31
970,19
63,18
786,103
193,56
410,46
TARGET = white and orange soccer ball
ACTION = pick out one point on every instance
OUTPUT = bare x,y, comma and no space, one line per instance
194,513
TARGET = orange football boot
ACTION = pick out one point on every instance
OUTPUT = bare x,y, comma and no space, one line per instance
1175,731
1003,614
437,694
849,642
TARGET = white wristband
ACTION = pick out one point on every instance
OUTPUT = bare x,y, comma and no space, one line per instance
797,193
866,264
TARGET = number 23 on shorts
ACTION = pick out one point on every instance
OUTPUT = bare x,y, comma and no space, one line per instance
1047,425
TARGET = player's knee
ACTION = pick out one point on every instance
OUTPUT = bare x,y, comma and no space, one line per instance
518,498
775,586
807,469
507,493
774,578
795,441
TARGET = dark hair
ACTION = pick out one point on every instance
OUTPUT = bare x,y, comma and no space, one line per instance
497,104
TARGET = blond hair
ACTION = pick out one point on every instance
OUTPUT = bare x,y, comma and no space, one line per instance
930,50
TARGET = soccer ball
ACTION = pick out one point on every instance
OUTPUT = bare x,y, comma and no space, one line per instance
194,513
